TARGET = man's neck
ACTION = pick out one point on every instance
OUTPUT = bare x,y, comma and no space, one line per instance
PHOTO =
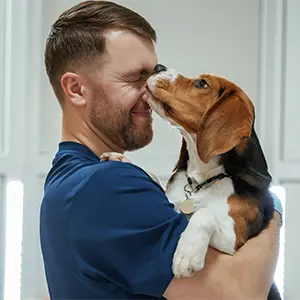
84,134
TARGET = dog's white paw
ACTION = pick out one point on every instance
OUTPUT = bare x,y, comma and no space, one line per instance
190,255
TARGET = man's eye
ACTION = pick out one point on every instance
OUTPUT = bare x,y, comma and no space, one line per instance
144,76
201,84
137,80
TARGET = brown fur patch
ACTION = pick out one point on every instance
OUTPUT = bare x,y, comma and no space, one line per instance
244,214
224,126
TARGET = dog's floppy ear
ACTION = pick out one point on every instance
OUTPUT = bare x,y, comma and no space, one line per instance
249,165
225,125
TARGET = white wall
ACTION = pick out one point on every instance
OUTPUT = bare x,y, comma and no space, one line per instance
239,39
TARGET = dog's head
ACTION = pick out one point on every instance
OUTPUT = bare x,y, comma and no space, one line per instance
215,111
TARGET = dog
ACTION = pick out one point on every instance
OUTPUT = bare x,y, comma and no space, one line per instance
221,179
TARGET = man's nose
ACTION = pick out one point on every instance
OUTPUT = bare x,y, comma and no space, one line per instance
159,68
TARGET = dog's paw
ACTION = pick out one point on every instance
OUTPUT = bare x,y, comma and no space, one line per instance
189,255
114,156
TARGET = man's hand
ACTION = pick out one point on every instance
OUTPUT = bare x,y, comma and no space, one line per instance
246,275
114,156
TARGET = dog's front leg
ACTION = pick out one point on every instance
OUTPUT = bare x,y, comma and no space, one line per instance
193,243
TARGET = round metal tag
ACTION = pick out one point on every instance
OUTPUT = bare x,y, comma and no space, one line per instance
187,206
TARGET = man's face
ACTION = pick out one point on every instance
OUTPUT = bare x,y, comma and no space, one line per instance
118,100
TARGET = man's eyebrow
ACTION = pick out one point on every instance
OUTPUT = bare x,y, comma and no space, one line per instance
144,72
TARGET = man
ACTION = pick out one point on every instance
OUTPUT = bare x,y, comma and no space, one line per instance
107,229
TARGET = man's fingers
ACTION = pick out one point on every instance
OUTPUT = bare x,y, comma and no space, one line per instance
113,156
125,159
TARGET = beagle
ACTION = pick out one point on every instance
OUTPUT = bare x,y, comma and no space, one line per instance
221,180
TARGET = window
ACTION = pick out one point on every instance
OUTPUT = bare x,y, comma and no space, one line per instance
13,240
279,191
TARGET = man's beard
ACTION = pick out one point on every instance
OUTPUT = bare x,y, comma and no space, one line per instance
117,124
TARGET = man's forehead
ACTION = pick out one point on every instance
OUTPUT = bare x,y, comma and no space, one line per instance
130,52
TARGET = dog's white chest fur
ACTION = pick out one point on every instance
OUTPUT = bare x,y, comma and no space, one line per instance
210,225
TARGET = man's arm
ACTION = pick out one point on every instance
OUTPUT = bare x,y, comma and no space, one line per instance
246,275
259,255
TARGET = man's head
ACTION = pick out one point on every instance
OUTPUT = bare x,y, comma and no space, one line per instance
98,56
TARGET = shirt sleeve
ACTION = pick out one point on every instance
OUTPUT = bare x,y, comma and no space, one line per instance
125,230
277,205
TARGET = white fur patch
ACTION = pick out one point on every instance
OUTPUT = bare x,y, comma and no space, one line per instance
156,105
211,224
169,75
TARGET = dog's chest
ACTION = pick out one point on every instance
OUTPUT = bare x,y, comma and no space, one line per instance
214,196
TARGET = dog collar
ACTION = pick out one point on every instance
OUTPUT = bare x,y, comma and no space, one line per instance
206,182
188,205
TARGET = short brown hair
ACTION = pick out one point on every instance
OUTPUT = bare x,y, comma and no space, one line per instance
77,36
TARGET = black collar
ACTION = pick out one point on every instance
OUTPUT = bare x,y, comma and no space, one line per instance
206,182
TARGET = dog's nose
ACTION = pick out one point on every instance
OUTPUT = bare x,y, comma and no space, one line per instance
159,68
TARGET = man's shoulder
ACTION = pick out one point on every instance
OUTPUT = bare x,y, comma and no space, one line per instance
119,170
116,175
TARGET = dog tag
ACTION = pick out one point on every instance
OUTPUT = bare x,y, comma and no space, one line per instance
187,206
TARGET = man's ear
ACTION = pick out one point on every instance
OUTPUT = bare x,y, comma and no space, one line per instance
225,125
72,86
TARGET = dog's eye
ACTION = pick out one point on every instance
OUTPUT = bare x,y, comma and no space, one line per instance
201,84
167,108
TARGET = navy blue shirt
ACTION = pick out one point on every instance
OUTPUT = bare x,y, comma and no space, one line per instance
107,229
